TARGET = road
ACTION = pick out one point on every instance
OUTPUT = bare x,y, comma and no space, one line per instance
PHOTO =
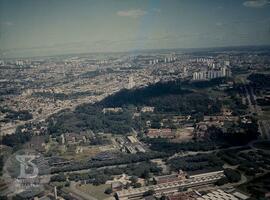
183,154
264,125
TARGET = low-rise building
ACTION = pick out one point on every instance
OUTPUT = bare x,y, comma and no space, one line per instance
160,133
194,181
74,138
132,139
117,109
170,178
147,109
220,194
183,196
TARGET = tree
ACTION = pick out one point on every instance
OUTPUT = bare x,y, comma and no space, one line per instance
222,181
232,175
137,185
149,193
40,111
16,139
100,179
146,174
134,179
60,177
108,191
163,197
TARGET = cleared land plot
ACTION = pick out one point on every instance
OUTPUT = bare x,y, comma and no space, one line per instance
95,191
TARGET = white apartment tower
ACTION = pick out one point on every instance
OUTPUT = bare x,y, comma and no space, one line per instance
131,83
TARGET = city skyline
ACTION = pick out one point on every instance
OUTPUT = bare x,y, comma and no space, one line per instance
35,28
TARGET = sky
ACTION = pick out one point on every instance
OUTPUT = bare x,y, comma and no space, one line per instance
47,27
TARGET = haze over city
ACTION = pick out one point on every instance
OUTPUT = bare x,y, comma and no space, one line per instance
36,27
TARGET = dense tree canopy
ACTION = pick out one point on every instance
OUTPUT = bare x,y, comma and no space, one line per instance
260,80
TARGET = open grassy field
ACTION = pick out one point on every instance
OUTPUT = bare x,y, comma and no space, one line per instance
95,191
264,115
265,108
241,78
86,153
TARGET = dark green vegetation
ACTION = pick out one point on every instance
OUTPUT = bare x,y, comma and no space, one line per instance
149,193
240,70
200,162
164,145
23,115
253,163
29,194
121,159
234,102
7,90
249,162
264,145
231,176
100,176
90,117
23,134
263,102
257,186
230,156
260,80
235,134
11,115
168,97
58,178
174,97
205,84
16,139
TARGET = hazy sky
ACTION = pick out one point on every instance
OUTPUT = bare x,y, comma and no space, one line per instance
42,27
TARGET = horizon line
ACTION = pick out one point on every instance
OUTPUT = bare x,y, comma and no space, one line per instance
139,50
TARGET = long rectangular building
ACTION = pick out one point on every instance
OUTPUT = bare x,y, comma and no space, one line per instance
165,188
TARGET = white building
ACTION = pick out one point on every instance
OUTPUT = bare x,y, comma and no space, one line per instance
131,83
211,74
227,63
